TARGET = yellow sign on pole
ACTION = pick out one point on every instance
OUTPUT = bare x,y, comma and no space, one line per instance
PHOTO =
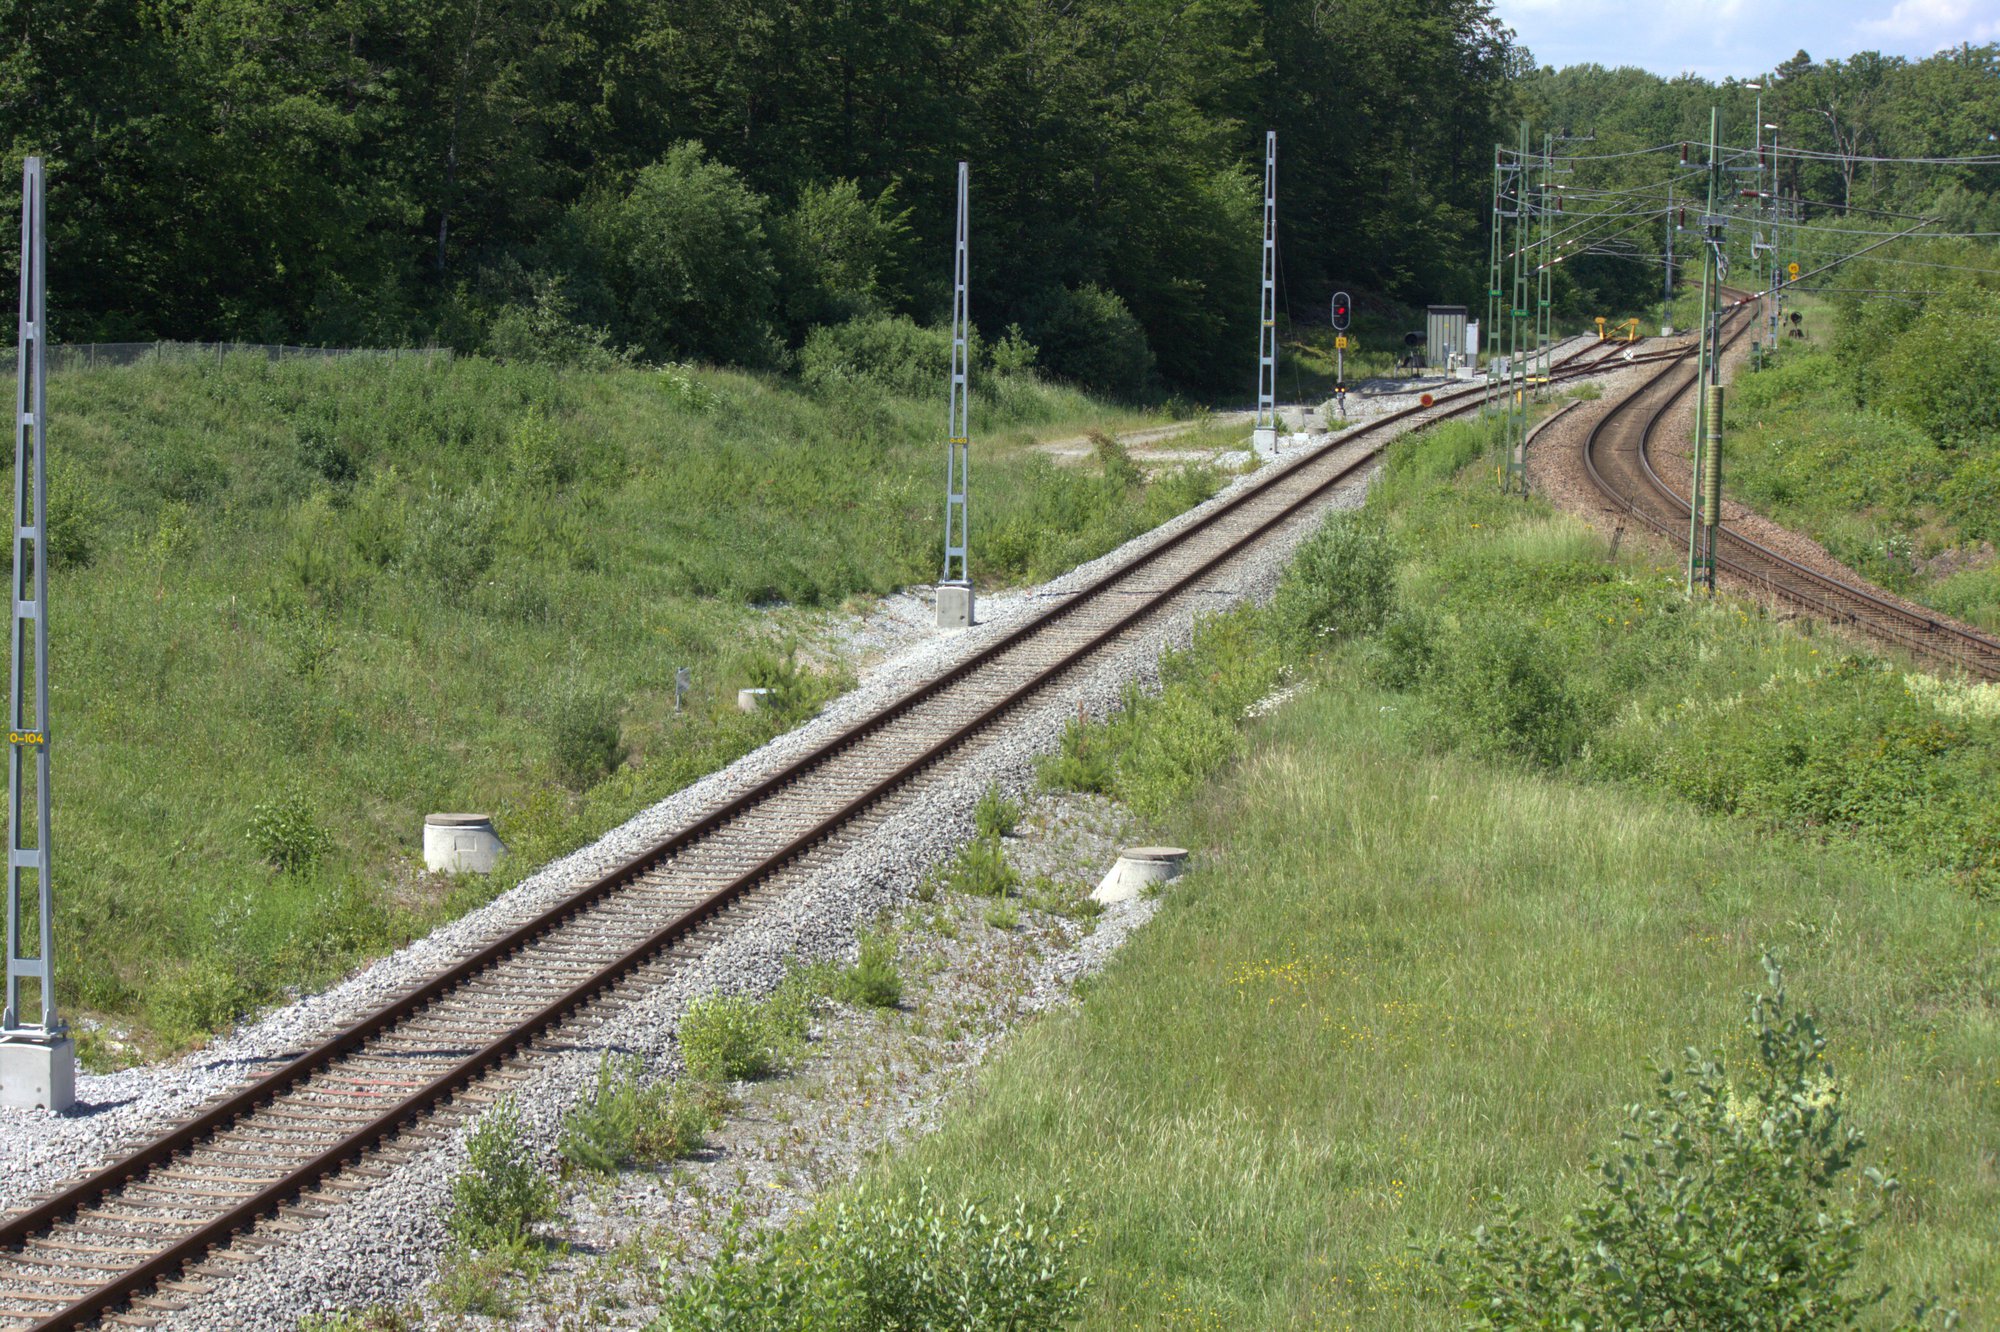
1340,342
1792,270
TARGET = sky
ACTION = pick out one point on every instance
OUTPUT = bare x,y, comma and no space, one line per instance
1719,38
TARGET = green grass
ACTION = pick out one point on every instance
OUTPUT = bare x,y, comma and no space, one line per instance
325,598
1408,982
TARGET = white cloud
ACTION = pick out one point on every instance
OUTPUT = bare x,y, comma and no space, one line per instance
1936,22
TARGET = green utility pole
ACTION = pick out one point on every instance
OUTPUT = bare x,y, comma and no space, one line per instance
1707,458
1545,270
1489,333
1517,335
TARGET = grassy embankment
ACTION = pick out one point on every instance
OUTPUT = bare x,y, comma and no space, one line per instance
1876,443
1528,834
298,606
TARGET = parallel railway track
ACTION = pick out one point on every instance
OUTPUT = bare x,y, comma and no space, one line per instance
140,1237
1617,455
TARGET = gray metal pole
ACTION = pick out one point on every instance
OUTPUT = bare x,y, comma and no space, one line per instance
955,587
1266,432
37,1061
28,720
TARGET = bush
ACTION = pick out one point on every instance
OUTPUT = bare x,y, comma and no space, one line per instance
895,1263
727,1038
625,1122
1497,687
450,538
1340,583
76,518
1943,373
1180,742
873,979
583,735
996,815
502,1194
1086,334
980,869
831,250
890,353
1727,1204
540,455
545,331
284,831
687,261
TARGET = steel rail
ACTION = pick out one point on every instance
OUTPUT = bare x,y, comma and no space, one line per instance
1801,585
95,1187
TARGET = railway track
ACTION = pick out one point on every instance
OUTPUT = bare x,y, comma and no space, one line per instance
141,1237
1618,457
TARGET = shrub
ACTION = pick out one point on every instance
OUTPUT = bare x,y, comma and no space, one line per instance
893,1263
831,249
1013,354
1943,374
1086,334
502,1194
539,454
583,735
1340,583
727,1038
996,815
284,831
624,1121
687,259
1497,688
890,353
76,517
980,869
545,331
1727,1204
450,537
1181,740
873,979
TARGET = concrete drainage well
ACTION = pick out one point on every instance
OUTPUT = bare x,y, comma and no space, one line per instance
461,844
749,700
1137,868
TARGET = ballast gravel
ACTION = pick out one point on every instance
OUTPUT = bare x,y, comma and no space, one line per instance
1556,472
382,1245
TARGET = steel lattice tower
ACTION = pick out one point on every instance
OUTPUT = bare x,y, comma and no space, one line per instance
956,570
1267,317
37,1062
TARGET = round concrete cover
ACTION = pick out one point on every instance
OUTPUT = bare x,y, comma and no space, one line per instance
457,820
1155,853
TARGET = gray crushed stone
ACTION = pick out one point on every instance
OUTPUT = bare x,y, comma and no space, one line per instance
383,1245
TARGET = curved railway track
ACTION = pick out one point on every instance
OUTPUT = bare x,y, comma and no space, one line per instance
1617,454
134,1239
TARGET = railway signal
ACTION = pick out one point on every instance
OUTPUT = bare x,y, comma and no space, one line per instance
37,1057
954,605
1343,314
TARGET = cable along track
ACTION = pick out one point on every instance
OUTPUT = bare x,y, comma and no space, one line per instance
1618,456
301,1136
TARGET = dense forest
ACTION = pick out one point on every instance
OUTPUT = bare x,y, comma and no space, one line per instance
709,179
712,179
